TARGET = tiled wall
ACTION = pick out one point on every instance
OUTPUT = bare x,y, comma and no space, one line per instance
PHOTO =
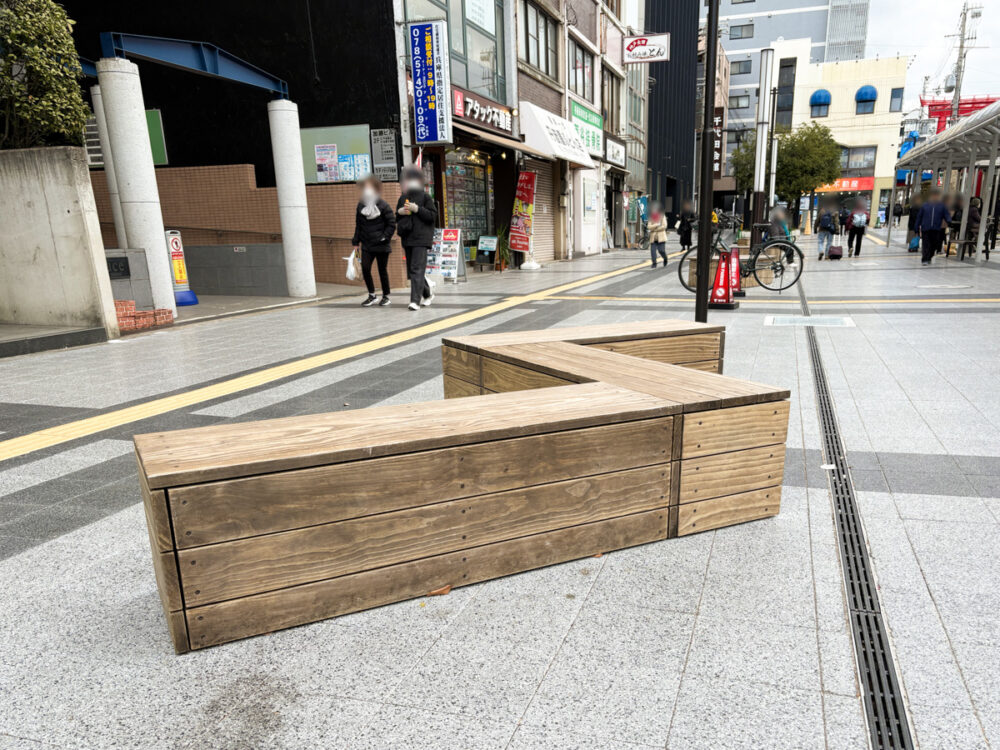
222,205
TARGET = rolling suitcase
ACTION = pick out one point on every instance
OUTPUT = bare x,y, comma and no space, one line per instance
836,252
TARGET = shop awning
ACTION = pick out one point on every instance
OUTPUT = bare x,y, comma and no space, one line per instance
499,140
554,135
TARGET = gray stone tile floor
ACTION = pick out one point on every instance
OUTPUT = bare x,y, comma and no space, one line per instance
736,638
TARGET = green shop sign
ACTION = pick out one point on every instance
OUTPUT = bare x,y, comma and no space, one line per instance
589,126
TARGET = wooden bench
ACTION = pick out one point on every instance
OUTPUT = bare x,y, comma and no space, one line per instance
576,442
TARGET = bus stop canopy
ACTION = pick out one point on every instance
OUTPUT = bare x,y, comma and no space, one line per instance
969,143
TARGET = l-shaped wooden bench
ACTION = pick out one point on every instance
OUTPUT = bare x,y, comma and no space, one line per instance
552,445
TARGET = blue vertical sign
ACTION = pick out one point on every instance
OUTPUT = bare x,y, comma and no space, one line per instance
430,66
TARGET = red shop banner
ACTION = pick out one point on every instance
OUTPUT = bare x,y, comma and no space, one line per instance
523,213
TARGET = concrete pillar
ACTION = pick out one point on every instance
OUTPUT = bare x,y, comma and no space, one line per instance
969,191
947,176
109,166
987,196
125,114
283,117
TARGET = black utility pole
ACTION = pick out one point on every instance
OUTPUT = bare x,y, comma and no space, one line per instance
705,228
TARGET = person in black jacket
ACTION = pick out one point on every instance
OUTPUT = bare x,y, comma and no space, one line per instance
416,215
374,225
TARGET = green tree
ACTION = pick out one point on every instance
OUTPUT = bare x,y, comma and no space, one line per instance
40,99
808,158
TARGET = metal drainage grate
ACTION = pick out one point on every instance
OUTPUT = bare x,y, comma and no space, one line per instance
887,720
810,321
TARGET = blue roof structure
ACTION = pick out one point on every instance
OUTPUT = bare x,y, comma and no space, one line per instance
819,98
866,94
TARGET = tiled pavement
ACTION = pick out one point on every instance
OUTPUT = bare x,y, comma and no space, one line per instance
729,639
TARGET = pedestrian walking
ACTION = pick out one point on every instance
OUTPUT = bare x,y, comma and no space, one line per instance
857,221
911,224
827,225
931,222
657,234
845,214
972,227
778,229
374,225
957,208
897,213
416,215
685,224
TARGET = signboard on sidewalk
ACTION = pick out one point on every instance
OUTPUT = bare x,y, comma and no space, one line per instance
385,161
431,89
646,49
522,216
445,254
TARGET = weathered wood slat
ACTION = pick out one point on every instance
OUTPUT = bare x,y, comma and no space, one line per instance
228,510
709,365
456,388
461,364
729,473
229,451
672,350
263,613
727,510
161,536
249,566
502,377
585,334
734,429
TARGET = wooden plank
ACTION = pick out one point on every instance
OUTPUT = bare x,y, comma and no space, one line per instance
456,388
460,363
223,511
177,627
167,580
263,613
673,350
734,429
728,510
227,451
586,334
161,536
730,473
709,365
672,522
503,377
249,566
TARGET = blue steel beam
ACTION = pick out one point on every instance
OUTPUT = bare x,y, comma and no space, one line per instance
196,57
89,68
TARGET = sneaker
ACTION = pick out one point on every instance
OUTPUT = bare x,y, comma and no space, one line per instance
426,301
925,262
384,301
370,301
413,306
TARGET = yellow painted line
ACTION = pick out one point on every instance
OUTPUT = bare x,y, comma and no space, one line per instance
63,433
743,300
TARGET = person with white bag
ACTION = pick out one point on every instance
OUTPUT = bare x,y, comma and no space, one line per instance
374,225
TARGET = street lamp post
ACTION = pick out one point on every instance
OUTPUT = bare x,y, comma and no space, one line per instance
705,189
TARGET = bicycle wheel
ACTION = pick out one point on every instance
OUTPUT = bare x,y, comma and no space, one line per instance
684,266
778,265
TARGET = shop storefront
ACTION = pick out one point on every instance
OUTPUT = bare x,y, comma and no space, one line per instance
588,184
614,191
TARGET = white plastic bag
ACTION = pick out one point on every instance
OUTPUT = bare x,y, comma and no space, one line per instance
353,266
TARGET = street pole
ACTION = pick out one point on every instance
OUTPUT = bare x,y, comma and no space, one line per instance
760,199
773,146
705,228
956,98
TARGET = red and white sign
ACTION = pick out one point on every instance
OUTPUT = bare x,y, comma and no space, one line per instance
848,184
477,110
523,214
646,49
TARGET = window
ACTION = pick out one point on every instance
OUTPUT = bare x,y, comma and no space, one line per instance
857,161
819,103
537,38
740,67
475,35
865,99
786,92
741,101
865,108
615,6
611,98
819,110
744,31
581,70
896,100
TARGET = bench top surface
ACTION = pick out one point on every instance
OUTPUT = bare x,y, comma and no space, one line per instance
228,451
693,390
596,334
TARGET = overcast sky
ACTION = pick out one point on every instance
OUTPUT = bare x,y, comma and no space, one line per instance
918,29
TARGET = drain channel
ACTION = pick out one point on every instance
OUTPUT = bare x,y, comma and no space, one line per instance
887,721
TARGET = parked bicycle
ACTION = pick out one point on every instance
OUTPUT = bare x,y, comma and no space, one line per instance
775,263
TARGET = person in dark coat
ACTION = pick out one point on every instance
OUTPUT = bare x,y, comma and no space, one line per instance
931,222
911,222
416,215
374,225
685,224
897,213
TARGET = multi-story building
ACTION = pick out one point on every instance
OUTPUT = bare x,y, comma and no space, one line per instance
837,30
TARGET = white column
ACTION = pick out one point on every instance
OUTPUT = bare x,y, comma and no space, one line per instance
109,166
947,175
289,175
987,196
137,192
